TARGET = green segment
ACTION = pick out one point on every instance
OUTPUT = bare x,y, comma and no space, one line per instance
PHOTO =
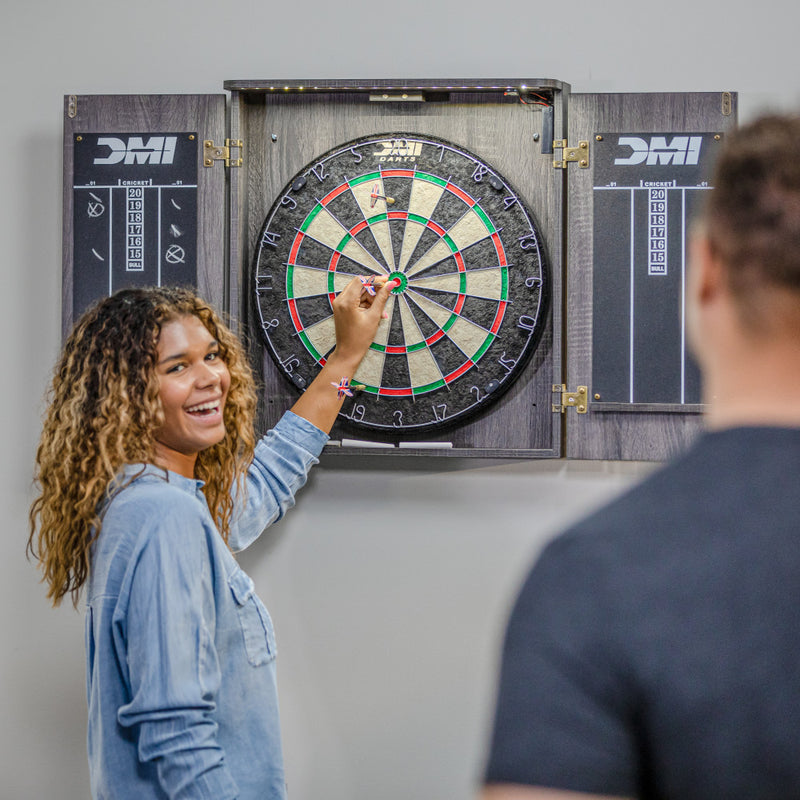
364,178
310,347
403,282
432,178
429,387
486,221
310,218
483,348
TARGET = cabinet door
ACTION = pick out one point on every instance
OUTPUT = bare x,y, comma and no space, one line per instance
140,207
629,214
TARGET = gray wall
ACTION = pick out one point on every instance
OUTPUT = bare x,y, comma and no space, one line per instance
389,602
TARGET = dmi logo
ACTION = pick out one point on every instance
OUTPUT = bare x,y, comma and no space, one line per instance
158,150
681,151
398,150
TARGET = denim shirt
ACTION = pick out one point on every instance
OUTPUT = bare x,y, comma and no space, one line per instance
180,652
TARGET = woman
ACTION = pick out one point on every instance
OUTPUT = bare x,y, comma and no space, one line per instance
149,475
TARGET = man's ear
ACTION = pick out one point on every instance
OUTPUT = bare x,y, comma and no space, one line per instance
706,272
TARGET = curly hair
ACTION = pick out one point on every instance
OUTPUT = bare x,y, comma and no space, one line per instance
103,412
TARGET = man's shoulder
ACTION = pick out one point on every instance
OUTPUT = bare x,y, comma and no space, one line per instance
720,491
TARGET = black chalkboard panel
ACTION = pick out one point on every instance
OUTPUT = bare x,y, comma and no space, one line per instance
647,189
134,212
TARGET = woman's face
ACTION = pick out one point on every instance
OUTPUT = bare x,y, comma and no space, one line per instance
193,386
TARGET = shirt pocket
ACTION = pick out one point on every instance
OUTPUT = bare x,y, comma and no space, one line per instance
259,635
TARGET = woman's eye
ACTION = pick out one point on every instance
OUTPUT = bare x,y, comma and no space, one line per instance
212,356
176,368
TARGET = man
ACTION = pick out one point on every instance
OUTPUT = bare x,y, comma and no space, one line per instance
654,650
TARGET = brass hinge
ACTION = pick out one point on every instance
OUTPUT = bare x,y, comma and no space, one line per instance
579,154
218,152
727,104
576,400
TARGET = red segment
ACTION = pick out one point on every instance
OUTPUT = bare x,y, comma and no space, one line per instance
298,326
436,336
460,371
398,215
501,253
460,193
501,310
436,228
396,350
459,304
397,173
395,392
335,193
358,228
334,261
295,247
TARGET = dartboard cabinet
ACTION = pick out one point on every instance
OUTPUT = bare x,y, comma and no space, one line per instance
536,238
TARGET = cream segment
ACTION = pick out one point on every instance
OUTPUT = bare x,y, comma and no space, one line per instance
437,253
485,283
422,368
327,230
370,370
309,282
468,230
384,326
380,230
424,199
322,335
411,332
467,336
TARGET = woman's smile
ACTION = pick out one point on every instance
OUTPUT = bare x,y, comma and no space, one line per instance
193,386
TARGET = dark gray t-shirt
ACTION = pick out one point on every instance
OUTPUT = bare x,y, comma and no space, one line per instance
654,650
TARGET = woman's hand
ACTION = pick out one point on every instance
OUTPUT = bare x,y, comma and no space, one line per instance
356,315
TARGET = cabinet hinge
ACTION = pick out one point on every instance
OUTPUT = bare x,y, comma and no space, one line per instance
222,152
576,400
579,154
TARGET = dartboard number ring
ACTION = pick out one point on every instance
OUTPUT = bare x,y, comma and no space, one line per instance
471,302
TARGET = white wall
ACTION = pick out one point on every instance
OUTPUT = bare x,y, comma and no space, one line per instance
388,602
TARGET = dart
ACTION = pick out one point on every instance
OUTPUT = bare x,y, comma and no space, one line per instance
375,195
342,388
368,282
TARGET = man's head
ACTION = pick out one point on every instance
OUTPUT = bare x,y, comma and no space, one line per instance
743,296
752,217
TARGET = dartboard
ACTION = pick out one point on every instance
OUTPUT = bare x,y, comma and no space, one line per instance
471,302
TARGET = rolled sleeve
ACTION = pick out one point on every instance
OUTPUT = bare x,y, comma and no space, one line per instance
280,467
